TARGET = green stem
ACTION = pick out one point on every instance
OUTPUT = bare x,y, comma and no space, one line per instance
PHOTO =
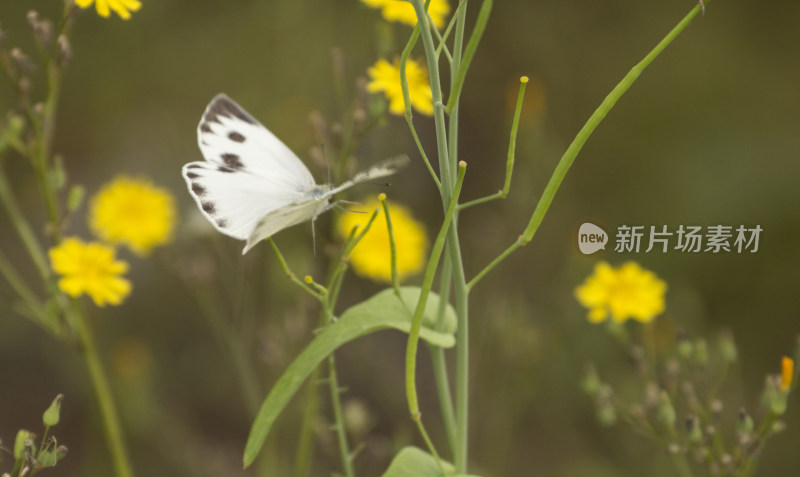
416,323
108,410
33,308
22,227
440,376
392,248
341,433
580,139
512,144
469,53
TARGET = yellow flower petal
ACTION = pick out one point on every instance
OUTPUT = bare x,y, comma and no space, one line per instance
628,292
133,212
385,77
104,7
90,269
372,256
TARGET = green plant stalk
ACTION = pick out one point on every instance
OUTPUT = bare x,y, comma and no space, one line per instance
302,461
580,139
440,373
108,410
289,274
469,53
460,445
392,248
512,143
412,41
22,227
416,323
36,311
341,432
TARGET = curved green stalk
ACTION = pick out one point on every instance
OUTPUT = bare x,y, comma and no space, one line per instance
416,324
102,390
580,139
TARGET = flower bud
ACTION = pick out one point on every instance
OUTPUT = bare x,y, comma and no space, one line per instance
727,348
24,439
685,347
53,413
694,434
591,381
665,413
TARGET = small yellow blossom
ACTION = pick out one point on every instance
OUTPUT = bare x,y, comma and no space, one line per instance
133,212
403,11
385,76
787,373
625,292
123,8
371,258
90,268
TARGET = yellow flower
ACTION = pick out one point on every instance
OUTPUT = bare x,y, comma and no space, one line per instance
90,268
626,292
123,8
372,256
787,372
133,212
402,11
385,77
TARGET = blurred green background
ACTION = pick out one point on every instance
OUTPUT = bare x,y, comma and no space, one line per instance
709,135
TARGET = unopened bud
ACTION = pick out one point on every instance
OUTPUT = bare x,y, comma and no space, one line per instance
685,347
591,381
745,422
665,413
701,352
693,431
53,413
23,439
727,348
64,51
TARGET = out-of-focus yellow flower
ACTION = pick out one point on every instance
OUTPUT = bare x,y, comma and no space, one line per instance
123,8
90,268
385,77
133,212
371,258
402,11
787,373
625,292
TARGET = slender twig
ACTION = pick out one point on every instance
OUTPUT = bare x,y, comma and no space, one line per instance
512,143
580,139
416,323
469,53
289,274
111,423
392,247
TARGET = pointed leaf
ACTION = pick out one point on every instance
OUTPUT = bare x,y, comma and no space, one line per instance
381,311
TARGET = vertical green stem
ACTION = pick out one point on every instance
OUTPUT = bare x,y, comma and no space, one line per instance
108,410
22,227
341,433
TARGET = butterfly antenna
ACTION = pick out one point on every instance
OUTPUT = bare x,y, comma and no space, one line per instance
327,164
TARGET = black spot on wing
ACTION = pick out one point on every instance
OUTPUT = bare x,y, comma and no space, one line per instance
222,223
198,189
205,127
226,169
208,207
192,175
194,166
235,136
232,160
224,106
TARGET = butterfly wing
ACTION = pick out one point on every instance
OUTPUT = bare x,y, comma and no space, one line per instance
229,136
248,172
285,217
382,169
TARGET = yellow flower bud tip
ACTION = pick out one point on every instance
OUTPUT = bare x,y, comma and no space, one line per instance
462,164
523,79
787,372
381,197
308,279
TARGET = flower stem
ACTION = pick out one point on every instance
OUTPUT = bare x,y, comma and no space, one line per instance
108,410
580,139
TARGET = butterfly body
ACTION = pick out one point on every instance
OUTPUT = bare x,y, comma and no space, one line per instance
251,185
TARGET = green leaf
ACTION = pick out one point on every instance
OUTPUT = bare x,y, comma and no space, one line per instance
383,310
414,462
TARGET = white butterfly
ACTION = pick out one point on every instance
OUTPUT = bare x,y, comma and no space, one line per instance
251,185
